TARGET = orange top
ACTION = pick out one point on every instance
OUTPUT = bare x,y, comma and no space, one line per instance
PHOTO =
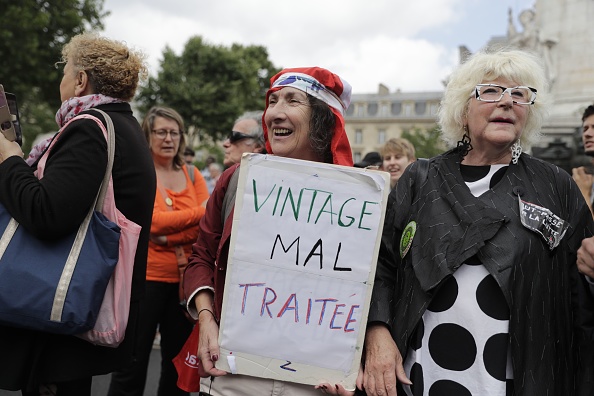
180,225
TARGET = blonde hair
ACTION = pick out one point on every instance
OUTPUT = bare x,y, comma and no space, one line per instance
519,66
398,146
114,69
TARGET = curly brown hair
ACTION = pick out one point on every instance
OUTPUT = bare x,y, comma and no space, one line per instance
113,68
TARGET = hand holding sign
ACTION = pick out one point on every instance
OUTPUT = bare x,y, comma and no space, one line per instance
301,266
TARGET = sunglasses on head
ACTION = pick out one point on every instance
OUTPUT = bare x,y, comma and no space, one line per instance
235,136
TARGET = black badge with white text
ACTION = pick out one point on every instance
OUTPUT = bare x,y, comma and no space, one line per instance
543,221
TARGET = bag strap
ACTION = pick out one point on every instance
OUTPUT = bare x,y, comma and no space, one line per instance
229,200
110,131
182,260
190,169
180,255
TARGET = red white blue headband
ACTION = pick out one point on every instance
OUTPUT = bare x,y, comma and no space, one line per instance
309,85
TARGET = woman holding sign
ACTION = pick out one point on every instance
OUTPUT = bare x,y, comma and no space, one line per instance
303,120
477,290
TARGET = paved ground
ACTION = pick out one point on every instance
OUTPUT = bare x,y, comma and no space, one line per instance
101,383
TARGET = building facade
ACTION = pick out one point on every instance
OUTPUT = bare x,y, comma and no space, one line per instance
557,30
372,119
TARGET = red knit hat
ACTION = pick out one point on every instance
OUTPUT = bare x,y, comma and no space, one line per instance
329,88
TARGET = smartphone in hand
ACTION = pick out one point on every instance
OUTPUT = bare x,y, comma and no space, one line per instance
9,117
14,111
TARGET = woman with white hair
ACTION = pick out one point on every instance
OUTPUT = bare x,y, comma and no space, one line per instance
477,291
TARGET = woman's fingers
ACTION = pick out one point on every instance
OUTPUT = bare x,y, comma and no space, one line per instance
334,389
585,257
360,377
383,363
208,347
9,149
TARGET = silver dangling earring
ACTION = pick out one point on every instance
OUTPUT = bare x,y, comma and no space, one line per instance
516,150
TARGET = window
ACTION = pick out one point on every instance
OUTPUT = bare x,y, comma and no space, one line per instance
358,136
351,110
433,108
357,157
420,108
372,109
408,109
360,110
381,136
396,108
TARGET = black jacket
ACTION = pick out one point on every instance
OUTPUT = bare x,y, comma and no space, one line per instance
550,308
55,206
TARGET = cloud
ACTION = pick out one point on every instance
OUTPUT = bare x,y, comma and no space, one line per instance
398,63
366,42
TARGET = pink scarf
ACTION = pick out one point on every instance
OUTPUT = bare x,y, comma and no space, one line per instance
72,107
69,109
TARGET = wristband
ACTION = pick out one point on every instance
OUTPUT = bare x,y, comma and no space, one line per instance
206,309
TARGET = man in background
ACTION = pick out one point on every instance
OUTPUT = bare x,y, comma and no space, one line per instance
247,136
584,179
373,159
215,169
583,174
189,156
397,155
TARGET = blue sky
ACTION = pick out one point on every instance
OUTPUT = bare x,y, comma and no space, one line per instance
409,45
476,22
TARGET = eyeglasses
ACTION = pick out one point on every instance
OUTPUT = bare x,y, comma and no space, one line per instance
235,136
493,93
162,134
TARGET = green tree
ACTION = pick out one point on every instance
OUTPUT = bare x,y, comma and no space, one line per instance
210,85
428,143
31,39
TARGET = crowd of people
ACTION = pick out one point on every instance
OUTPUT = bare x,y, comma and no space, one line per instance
485,277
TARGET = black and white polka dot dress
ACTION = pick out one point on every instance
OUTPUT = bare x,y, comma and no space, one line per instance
461,345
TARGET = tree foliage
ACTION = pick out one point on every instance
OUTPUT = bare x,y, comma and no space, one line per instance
427,143
210,85
31,39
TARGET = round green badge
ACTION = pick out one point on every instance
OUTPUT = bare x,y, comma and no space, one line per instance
407,238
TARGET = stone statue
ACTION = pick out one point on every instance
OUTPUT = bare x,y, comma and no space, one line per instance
531,39
511,28
528,37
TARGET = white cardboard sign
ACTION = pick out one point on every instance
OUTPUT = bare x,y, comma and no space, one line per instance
301,266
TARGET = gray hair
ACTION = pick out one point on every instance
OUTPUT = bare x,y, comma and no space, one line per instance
519,66
217,166
257,132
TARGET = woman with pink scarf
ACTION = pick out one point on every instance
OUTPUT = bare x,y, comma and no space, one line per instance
103,74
